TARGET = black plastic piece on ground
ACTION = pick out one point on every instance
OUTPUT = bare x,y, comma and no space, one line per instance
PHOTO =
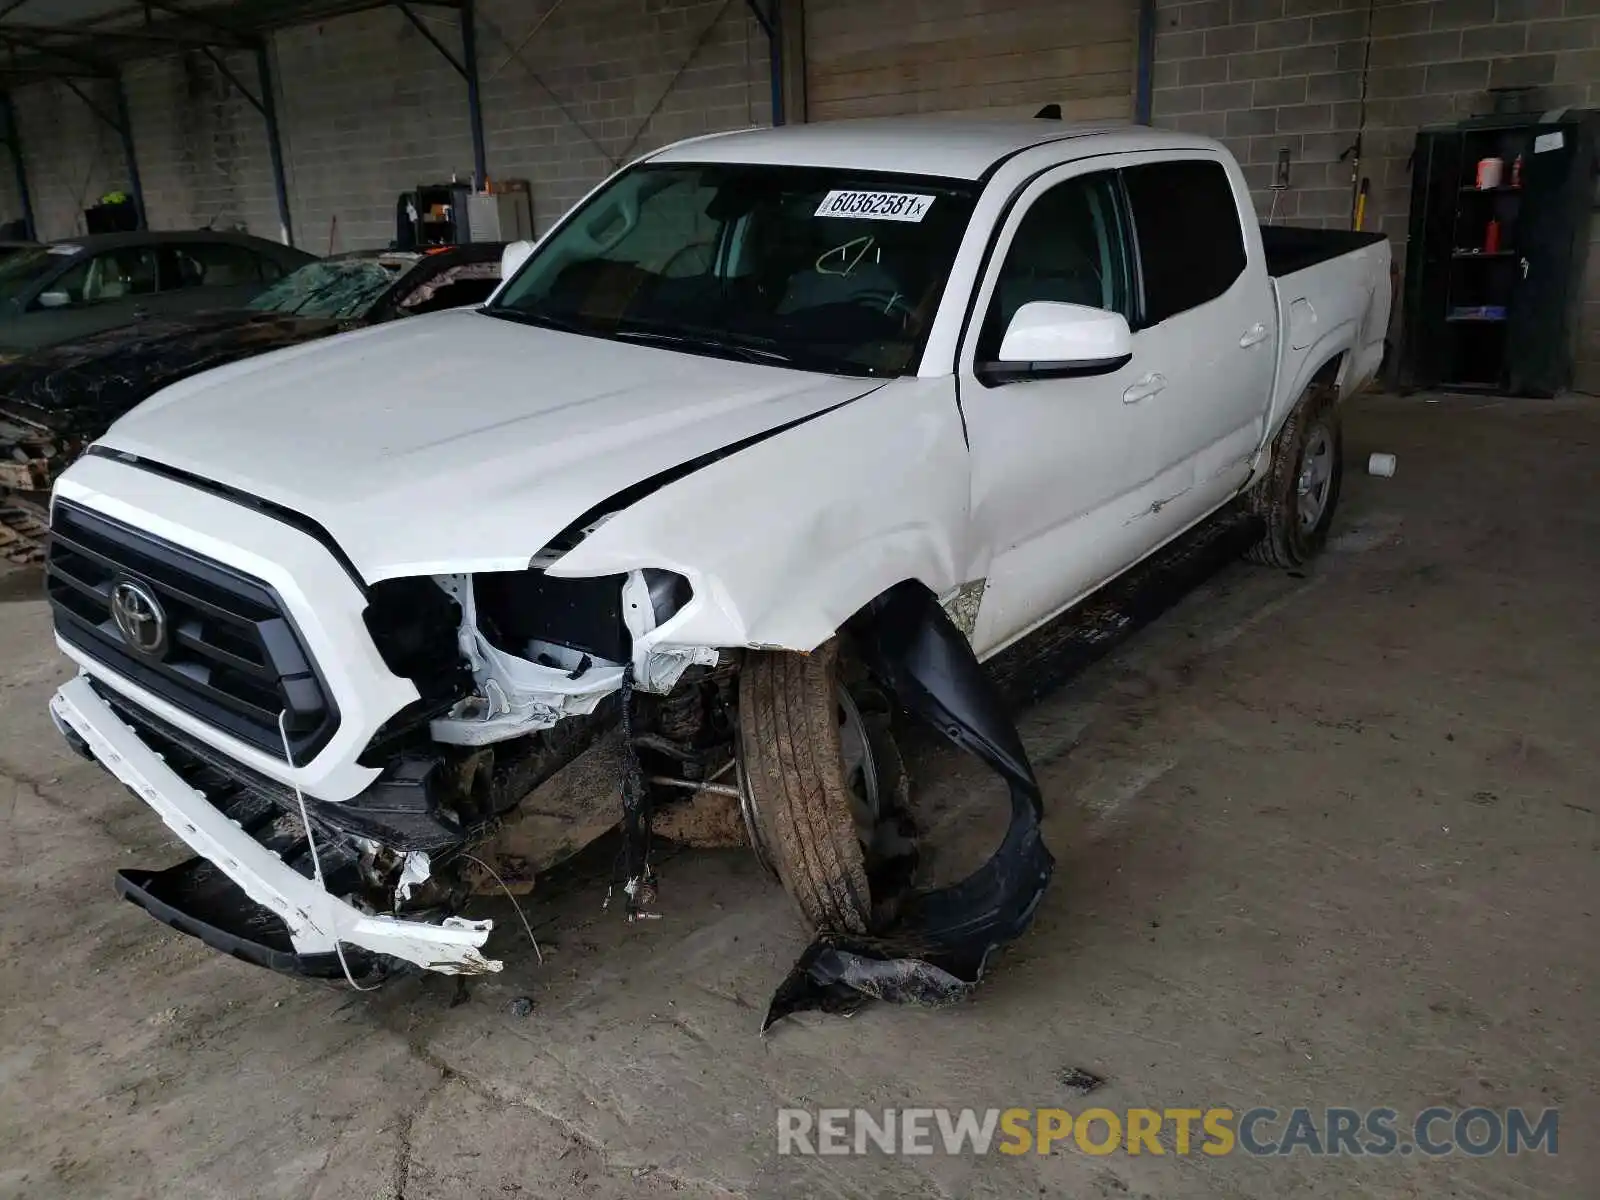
941,940
73,739
197,899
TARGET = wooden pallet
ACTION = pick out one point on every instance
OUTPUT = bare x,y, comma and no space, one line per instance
24,528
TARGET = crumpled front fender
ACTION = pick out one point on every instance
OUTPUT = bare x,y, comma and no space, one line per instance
786,539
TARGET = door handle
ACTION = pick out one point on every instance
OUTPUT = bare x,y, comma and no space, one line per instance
1256,333
1144,388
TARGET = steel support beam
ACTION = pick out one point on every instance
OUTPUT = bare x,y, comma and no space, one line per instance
771,21
775,59
466,67
469,54
761,17
266,105
222,33
1144,86
119,121
223,69
792,33
13,139
152,35
432,39
75,64
90,102
125,128
269,113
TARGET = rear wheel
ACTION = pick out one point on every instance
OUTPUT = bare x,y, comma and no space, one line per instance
821,776
1297,497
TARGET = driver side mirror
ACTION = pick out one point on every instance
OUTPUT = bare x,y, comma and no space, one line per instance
1050,340
512,258
54,299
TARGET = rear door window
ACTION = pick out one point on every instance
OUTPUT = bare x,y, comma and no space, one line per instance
1191,245
213,264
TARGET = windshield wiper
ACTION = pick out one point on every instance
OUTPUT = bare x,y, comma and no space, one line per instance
542,320
703,343
742,350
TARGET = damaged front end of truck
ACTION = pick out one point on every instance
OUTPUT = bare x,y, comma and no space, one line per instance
549,711
362,728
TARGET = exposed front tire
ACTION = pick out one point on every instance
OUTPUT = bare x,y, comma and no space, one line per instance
1297,497
821,777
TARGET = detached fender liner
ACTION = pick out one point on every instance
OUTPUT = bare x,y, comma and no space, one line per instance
940,943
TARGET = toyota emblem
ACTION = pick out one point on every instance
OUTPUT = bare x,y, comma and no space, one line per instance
139,617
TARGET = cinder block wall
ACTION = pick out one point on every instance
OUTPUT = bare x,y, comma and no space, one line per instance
368,109
1264,75
603,81
69,154
202,148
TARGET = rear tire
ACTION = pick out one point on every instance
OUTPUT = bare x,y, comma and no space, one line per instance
813,812
1297,497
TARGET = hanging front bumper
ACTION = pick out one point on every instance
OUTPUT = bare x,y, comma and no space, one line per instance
316,921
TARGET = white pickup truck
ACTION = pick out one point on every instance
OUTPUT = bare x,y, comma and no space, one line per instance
778,433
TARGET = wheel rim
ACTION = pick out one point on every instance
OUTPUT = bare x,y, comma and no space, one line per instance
860,768
747,810
1316,476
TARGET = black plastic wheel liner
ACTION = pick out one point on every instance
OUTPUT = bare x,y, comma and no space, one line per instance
941,939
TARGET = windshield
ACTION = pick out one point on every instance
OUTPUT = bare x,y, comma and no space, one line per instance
821,269
340,290
18,272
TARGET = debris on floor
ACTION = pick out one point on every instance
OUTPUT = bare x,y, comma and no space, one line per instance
1078,1082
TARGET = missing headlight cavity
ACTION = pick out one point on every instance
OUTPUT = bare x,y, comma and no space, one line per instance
538,616
413,625
523,611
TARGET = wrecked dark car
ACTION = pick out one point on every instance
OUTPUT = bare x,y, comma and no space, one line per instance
774,439
54,402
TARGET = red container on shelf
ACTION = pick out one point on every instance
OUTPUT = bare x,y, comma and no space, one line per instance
1491,237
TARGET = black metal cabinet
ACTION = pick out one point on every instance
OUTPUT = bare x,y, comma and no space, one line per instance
1493,274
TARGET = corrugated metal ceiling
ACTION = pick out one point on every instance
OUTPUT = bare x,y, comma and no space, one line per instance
89,38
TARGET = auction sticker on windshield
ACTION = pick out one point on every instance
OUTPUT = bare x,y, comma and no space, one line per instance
875,206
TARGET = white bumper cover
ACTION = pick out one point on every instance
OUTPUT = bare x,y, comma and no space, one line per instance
316,920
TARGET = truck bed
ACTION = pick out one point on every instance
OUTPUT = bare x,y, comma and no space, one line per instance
1332,292
1291,248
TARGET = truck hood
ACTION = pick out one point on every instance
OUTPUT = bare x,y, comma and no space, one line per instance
461,442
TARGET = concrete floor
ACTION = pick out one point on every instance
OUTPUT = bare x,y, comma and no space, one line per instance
1328,840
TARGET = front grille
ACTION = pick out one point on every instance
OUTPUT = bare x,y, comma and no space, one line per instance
232,657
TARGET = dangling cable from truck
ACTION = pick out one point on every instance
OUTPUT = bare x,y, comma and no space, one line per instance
311,841
511,896
638,880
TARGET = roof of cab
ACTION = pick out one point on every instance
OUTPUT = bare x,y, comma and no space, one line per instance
953,147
